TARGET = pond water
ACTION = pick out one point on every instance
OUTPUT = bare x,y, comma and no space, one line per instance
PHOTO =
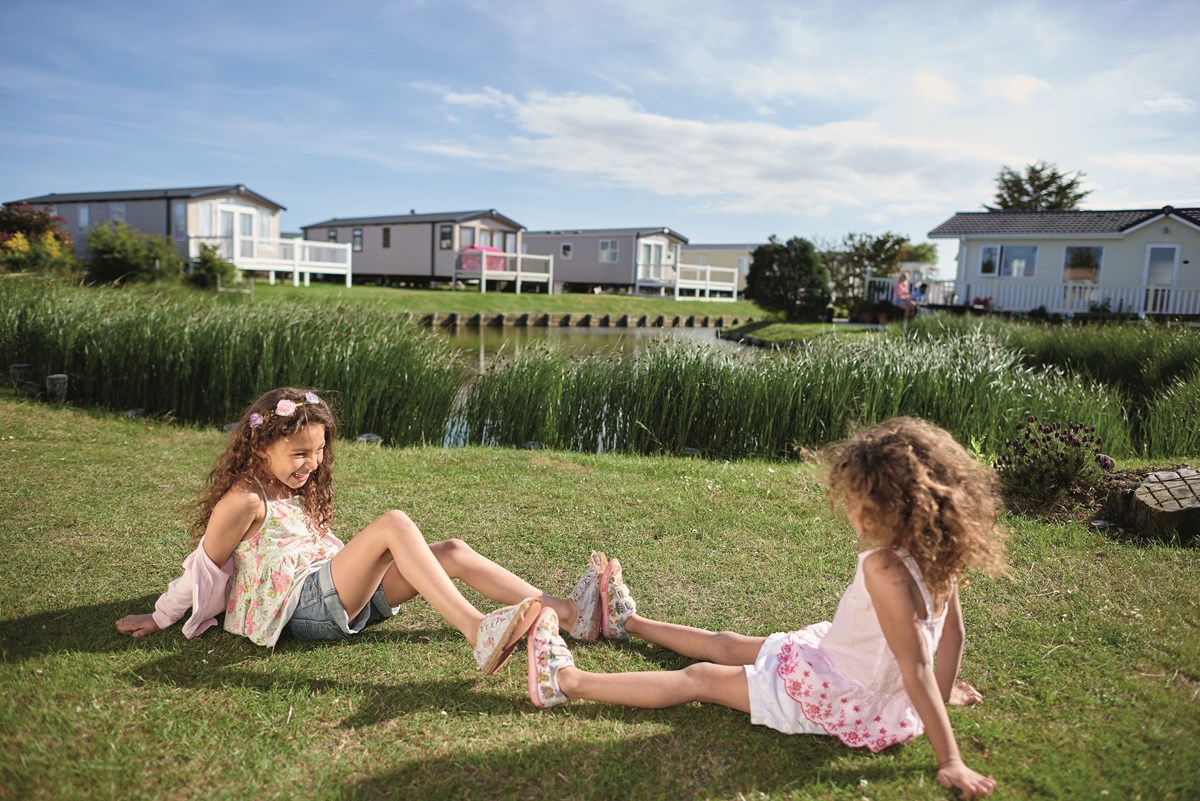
488,341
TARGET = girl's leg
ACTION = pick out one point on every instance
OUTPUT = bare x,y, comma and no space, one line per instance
461,561
715,684
394,545
721,647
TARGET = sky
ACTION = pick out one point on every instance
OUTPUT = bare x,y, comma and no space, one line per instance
727,121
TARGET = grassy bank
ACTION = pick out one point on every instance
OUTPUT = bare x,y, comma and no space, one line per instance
1086,654
472,301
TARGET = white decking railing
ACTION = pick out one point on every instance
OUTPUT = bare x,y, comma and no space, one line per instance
1063,298
484,266
299,257
689,280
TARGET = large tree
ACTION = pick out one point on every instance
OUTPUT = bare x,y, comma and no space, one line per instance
1041,188
857,254
789,277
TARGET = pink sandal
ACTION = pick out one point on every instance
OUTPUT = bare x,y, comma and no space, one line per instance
586,596
548,654
500,632
617,604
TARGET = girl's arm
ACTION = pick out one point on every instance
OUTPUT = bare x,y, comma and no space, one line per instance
234,516
890,586
949,657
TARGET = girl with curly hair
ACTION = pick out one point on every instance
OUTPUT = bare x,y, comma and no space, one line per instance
267,558
924,511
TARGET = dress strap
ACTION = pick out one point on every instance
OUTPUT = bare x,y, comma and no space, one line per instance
266,503
918,577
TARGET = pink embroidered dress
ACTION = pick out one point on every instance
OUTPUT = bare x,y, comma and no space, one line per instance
269,568
841,677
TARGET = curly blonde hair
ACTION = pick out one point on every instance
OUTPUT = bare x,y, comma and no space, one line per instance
914,487
243,457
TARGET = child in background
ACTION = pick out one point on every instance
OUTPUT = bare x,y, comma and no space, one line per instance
267,558
924,511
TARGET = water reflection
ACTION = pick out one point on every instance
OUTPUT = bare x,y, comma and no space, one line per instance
489,340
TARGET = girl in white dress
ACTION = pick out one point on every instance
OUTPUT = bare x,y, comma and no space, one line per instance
924,511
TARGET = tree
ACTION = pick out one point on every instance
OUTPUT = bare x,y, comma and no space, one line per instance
1041,188
210,268
789,278
923,252
121,253
859,254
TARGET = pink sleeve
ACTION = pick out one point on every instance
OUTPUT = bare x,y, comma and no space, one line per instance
171,605
202,588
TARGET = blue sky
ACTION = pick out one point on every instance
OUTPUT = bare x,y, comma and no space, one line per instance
726,121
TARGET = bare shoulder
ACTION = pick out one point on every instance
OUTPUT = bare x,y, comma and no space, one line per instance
884,572
241,502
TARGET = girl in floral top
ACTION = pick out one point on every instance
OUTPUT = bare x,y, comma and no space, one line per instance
924,511
267,558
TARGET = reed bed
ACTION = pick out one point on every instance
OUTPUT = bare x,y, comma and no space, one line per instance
1137,358
680,396
1172,423
201,359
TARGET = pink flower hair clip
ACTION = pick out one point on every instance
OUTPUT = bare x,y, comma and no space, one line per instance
285,408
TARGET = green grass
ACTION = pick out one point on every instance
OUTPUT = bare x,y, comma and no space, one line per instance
472,301
1087,654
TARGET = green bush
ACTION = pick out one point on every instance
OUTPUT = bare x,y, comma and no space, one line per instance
210,270
35,241
1050,461
123,254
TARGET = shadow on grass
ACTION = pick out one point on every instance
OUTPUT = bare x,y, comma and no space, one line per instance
90,629
687,761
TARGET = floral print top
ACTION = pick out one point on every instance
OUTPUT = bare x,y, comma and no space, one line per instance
844,676
267,567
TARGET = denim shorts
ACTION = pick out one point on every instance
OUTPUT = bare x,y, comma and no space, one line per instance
320,615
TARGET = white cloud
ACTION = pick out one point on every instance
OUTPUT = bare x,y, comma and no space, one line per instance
487,98
1165,105
1016,89
734,167
932,88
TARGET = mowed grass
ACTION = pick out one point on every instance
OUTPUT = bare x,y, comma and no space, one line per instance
1087,653
472,301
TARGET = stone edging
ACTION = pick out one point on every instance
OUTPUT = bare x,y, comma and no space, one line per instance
574,320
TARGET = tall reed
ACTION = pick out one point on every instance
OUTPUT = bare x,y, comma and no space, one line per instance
202,359
677,396
1172,423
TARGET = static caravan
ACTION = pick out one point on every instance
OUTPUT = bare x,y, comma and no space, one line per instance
735,257
1139,261
639,259
417,248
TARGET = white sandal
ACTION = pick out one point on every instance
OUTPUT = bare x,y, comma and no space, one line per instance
586,596
548,654
500,632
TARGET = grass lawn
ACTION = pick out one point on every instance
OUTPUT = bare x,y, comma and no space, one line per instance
1087,653
472,301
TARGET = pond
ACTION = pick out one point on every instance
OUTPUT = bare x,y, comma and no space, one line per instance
490,340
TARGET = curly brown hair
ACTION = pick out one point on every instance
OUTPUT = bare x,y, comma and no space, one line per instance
914,487
242,460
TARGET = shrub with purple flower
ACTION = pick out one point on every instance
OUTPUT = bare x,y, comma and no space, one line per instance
1050,461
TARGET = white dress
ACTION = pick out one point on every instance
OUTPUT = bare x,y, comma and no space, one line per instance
841,678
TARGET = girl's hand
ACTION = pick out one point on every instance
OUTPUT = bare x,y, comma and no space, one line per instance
963,694
971,784
137,625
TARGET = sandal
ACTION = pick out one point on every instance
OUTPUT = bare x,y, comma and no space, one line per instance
586,596
500,632
548,654
617,604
